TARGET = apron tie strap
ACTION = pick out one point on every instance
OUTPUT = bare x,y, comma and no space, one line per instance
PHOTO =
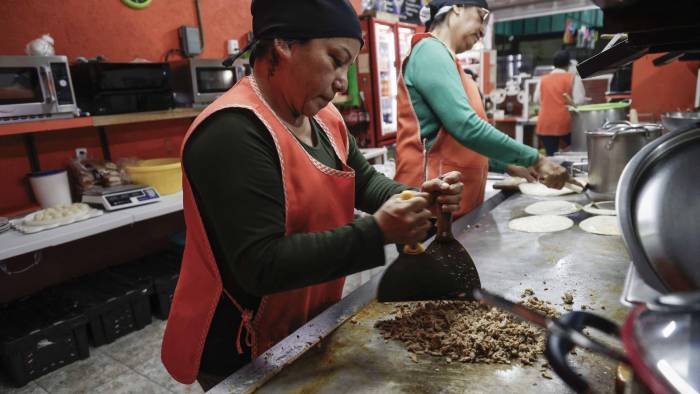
246,319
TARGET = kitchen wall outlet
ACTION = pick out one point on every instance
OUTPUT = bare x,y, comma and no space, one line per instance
81,153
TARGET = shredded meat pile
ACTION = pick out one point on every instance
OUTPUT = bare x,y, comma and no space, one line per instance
467,331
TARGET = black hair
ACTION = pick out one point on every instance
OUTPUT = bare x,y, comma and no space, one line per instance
562,59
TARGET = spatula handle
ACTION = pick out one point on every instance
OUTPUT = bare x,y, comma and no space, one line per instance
415,248
444,225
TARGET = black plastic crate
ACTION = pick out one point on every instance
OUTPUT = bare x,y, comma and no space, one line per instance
40,334
164,284
161,271
114,306
162,297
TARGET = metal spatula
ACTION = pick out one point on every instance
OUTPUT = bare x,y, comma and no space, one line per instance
445,271
459,276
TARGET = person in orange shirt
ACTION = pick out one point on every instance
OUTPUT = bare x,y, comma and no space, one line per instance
554,93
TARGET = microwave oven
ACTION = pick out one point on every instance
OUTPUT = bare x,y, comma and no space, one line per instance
198,82
103,88
35,87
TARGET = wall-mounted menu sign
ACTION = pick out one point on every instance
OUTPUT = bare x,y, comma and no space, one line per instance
410,10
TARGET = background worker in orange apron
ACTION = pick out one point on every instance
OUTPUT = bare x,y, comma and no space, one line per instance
555,92
439,102
271,178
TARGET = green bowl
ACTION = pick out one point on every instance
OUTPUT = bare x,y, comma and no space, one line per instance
602,107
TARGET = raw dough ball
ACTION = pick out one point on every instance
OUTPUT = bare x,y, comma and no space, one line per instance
602,225
540,190
60,212
554,207
541,224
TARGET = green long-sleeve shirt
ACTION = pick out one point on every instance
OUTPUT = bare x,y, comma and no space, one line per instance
438,98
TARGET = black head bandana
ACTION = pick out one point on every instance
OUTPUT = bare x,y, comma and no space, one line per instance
301,19
427,13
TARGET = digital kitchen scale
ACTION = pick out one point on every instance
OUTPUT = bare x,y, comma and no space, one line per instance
120,197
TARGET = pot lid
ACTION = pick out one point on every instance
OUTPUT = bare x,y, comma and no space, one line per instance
667,337
600,107
658,209
624,127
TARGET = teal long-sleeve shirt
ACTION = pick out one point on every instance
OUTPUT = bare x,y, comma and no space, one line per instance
438,97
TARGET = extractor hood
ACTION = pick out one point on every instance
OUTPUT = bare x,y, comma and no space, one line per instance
650,26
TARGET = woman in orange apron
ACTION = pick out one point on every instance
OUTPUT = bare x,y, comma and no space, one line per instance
555,92
271,178
439,103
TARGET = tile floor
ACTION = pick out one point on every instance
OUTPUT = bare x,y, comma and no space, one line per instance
131,364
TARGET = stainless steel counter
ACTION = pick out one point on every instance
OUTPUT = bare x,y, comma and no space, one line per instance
335,353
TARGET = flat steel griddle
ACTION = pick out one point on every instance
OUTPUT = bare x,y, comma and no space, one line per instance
341,352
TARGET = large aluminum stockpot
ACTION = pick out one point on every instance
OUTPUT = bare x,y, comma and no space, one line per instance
592,117
611,147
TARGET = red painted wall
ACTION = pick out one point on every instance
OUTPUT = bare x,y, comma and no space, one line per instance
108,28
656,90
13,167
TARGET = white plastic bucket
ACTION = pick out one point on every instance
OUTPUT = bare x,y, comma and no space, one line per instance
50,187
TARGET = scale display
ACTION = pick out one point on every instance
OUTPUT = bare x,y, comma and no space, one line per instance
121,197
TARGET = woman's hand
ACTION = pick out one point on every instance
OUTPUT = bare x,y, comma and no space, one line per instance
448,189
551,174
404,220
521,172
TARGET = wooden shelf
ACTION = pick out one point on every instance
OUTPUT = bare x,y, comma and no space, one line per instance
97,121
138,117
44,125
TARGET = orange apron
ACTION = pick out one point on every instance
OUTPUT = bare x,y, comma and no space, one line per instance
446,154
554,118
306,210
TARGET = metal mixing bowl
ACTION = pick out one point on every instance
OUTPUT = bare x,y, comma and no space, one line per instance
674,121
